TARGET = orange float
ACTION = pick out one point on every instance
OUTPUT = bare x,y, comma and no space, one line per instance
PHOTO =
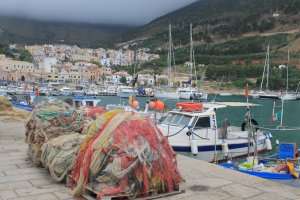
135,104
189,106
159,105
152,104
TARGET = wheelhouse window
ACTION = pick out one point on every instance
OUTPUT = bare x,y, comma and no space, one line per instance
202,122
177,119
89,103
78,103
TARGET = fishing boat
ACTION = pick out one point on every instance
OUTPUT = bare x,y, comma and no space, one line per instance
192,129
79,93
282,165
126,91
85,101
261,174
26,103
65,91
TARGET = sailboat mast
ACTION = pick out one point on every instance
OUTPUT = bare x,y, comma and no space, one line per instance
170,55
287,71
268,67
265,66
191,53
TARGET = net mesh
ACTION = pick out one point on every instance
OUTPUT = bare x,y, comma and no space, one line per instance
128,154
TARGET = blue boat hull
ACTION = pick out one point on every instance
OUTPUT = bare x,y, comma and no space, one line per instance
23,106
267,175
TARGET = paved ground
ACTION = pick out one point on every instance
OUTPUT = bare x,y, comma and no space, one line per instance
20,180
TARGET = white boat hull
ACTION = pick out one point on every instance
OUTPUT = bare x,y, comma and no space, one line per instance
124,94
207,151
185,96
237,143
201,96
167,95
289,97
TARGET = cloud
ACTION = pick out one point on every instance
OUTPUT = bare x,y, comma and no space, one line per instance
131,12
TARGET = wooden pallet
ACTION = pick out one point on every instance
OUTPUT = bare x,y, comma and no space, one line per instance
91,194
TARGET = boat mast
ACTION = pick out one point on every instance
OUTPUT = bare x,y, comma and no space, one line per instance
287,72
191,54
169,56
287,87
268,67
262,80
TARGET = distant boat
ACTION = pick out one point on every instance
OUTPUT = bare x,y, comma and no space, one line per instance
86,101
65,91
287,96
225,94
168,94
190,93
266,94
126,91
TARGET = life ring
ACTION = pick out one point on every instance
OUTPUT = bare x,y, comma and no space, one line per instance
253,122
189,106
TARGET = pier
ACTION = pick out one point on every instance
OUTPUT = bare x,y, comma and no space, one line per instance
19,179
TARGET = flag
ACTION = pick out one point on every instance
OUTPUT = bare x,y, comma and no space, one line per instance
247,91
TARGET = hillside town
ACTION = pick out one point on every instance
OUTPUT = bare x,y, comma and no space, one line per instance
71,64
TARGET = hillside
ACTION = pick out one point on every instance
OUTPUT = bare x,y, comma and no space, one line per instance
19,30
219,20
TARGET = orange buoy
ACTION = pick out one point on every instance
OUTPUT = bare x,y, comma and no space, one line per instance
159,105
135,104
152,104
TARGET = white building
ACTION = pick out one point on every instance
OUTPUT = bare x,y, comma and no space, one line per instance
46,65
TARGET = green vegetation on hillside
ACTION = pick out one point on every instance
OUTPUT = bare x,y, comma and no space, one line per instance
215,20
16,54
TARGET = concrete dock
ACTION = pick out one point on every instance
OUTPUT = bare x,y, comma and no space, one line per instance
19,179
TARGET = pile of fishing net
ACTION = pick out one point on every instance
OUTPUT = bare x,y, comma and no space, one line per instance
8,114
5,104
125,153
13,116
49,120
59,153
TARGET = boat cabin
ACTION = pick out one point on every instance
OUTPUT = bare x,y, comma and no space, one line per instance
85,101
192,120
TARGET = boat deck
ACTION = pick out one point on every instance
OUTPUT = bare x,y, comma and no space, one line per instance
19,179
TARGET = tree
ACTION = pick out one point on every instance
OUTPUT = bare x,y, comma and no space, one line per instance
162,81
123,80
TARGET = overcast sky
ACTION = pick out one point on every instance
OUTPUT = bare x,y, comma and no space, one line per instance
133,12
